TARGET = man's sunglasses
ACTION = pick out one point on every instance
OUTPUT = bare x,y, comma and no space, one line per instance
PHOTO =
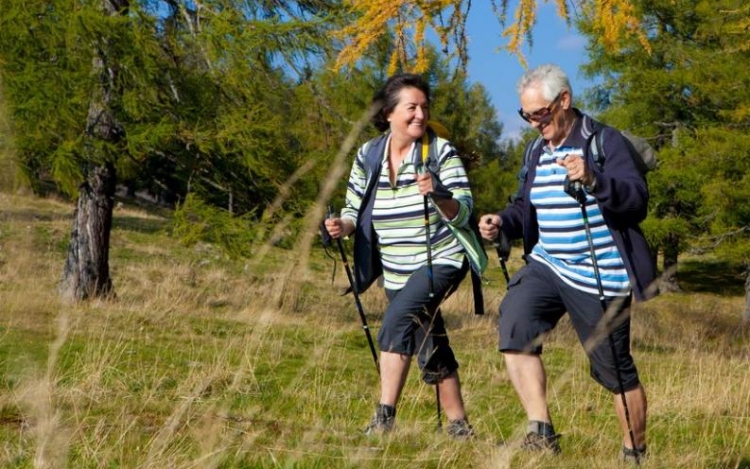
542,115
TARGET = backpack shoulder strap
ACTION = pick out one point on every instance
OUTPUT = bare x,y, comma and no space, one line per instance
367,265
596,147
430,158
429,153
593,131
374,155
530,148
524,171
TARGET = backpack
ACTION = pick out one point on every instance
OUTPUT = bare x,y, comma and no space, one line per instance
469,237
642,153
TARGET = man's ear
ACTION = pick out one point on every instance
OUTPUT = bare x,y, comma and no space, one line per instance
567,100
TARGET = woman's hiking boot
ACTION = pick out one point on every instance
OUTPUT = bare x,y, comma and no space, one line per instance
383,420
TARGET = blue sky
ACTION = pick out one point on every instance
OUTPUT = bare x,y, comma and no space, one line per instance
498,71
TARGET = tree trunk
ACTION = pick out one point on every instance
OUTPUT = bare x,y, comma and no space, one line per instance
669,282
86,273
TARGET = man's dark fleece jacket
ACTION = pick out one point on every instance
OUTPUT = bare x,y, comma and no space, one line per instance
620,191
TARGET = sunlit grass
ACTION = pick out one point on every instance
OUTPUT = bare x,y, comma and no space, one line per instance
203,362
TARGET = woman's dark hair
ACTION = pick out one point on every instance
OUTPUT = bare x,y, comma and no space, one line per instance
387,98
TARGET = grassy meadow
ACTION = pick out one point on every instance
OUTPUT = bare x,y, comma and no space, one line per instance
204,362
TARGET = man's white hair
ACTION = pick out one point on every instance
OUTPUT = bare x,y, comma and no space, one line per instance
549,78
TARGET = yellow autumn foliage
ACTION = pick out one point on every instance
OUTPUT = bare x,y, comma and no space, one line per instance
409,20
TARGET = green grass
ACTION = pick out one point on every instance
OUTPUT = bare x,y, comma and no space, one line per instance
205,362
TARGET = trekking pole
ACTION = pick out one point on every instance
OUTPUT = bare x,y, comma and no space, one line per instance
361,312
429,246
437,404
428,243
431,292
576,191
502,247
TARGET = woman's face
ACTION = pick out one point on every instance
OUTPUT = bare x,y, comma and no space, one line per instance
409,118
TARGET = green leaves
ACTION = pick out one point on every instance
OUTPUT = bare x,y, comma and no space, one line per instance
691,96
194,222
235,103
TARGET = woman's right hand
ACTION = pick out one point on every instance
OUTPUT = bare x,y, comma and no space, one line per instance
338,227
489,226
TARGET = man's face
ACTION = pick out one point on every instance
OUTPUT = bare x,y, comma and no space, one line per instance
543,114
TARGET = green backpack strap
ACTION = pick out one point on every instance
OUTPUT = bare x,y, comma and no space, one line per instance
469,236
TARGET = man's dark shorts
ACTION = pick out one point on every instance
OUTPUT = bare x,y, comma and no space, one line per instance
411,326
536,300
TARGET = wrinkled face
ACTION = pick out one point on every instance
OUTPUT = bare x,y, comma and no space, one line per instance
544,115
409,118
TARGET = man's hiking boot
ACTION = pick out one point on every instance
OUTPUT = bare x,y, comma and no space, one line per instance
460,429
541,437
383,420
536,442
634,456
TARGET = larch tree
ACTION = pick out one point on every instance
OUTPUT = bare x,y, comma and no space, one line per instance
62,63
690,95
411,20
176,97
172,96
44,69
86,273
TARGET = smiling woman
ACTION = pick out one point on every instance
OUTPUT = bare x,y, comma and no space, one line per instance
403,219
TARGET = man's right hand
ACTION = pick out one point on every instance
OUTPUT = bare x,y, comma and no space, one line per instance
489,226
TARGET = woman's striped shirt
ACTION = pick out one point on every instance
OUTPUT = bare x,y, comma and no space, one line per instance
398,212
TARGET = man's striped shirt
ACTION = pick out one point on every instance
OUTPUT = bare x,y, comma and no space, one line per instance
563,244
